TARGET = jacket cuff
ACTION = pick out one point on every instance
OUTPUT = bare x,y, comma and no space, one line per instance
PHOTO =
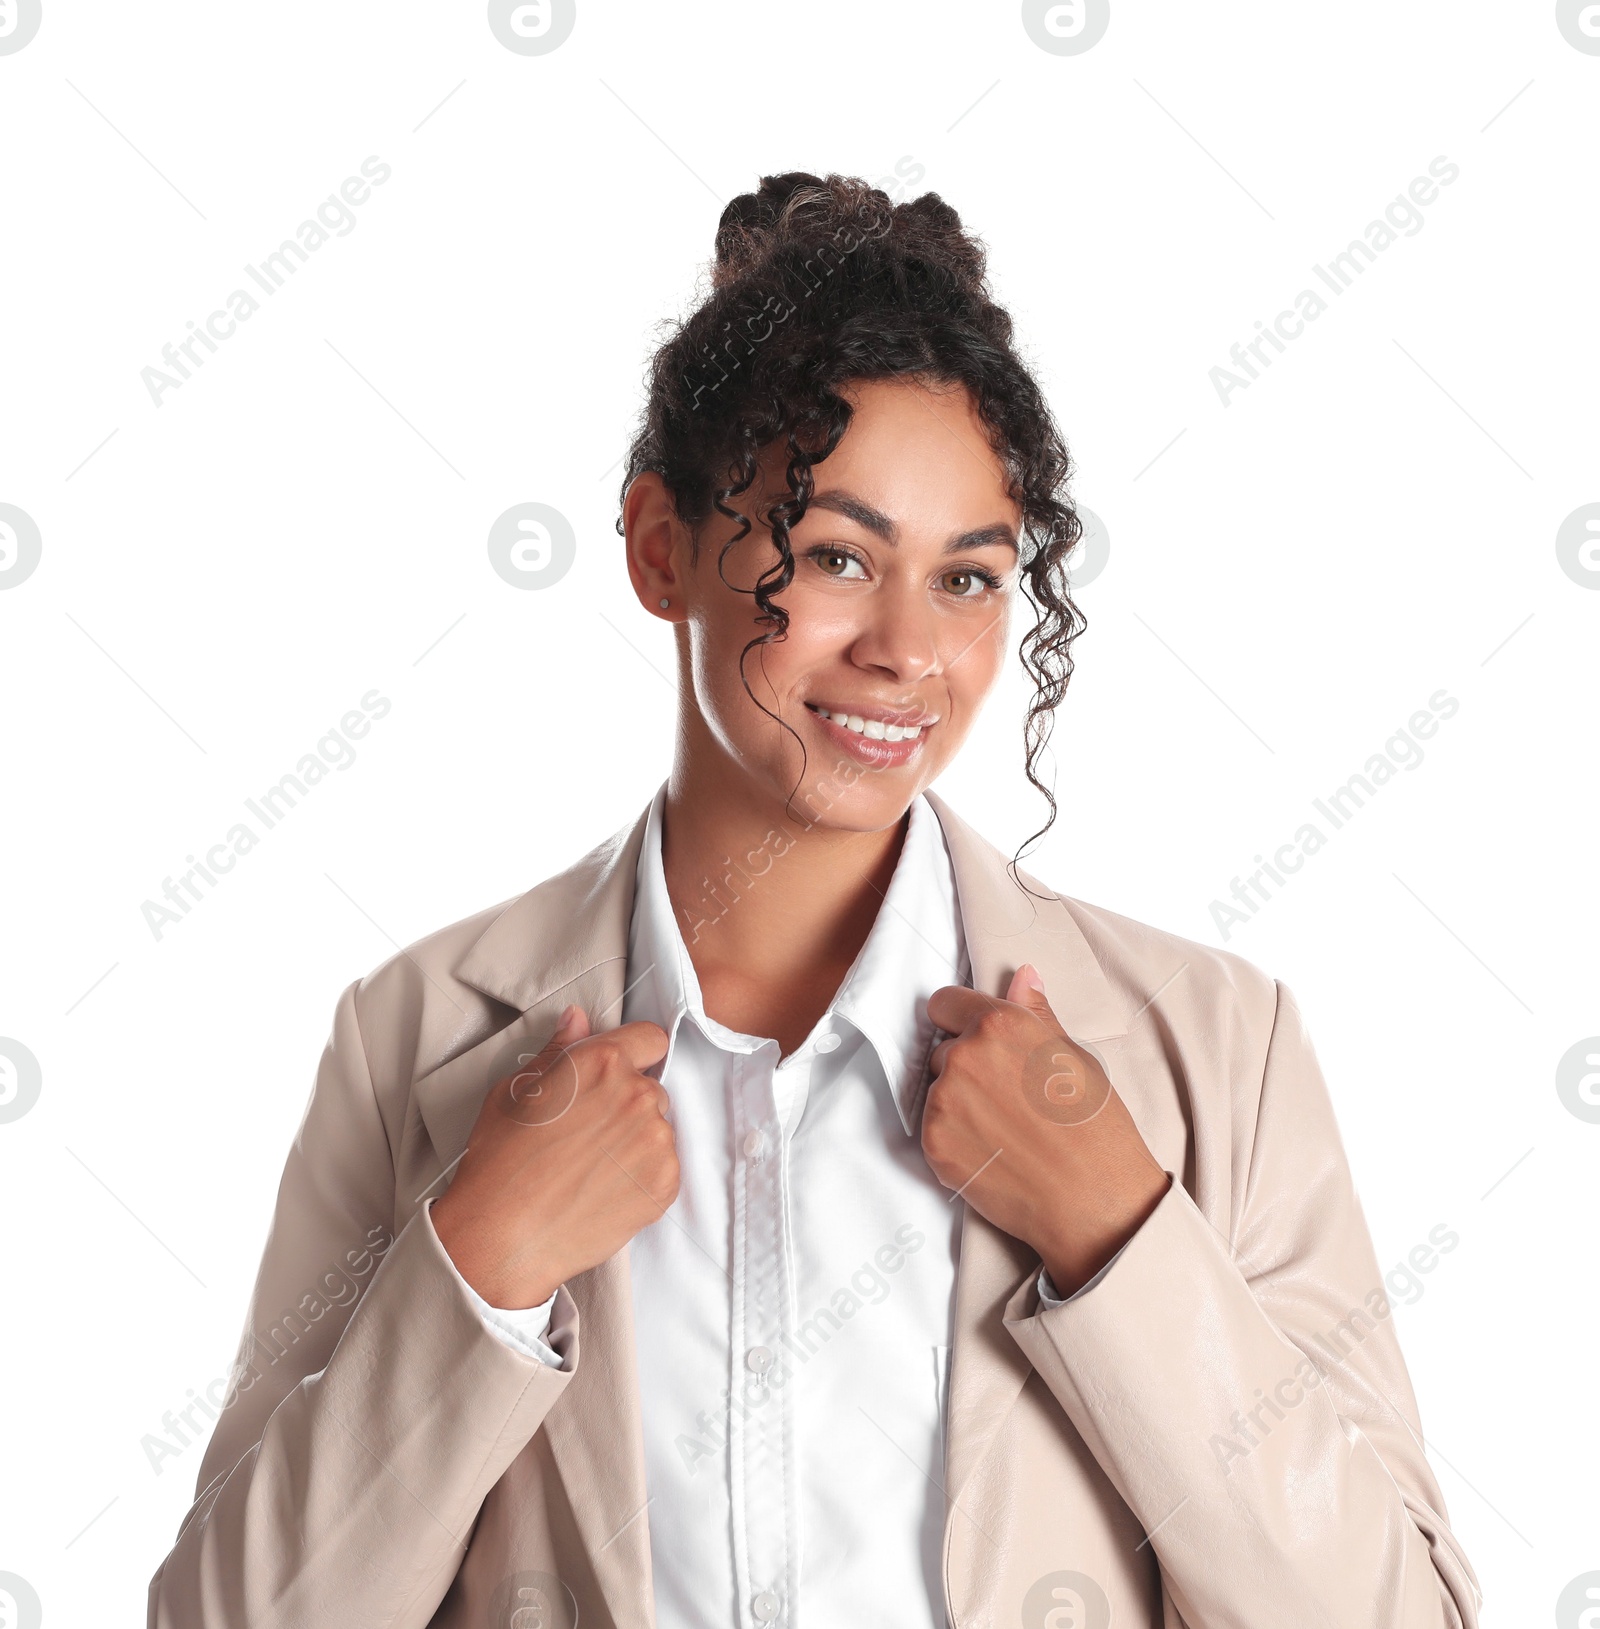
1050,1297
521,1328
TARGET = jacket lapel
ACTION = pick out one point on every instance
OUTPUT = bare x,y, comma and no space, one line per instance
567,941
1005,926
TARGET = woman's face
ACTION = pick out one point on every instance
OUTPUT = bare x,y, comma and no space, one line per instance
906,568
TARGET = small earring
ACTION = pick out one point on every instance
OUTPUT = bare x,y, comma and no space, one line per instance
666,605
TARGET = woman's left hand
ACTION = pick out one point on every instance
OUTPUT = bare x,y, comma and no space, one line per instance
1025,1125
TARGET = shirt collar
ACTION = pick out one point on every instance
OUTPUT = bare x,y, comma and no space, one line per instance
916,945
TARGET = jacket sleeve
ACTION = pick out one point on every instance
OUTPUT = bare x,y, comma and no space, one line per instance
370,1410
1248,1398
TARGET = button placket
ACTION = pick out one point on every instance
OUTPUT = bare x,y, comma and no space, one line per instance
758,1425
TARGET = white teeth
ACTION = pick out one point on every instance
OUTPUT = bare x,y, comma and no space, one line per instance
873,729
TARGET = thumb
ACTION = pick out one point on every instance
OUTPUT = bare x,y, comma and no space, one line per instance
573,1026
1027,990
539,1092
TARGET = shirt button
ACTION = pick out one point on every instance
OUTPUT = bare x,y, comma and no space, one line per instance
758,1359
828,1042
765,1606
755,1146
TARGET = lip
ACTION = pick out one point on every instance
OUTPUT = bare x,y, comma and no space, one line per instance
876,754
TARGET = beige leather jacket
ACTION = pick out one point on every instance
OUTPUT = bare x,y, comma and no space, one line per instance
1220,1433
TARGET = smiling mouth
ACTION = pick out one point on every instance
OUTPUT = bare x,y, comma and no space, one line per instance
875,728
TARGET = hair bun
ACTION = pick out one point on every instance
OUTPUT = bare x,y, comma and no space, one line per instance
800,207
753,221
932,229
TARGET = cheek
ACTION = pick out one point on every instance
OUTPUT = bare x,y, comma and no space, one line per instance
718,635
822,628
820,631
974,651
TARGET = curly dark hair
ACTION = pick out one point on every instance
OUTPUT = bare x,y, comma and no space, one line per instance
819,283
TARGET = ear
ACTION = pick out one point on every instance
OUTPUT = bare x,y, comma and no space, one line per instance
1027,990
658,547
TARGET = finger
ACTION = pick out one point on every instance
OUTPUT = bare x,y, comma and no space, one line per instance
937,1057
955,1006
573,1026
1027,990
642,1043
545,1085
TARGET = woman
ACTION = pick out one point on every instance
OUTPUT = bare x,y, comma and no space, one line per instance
641,1257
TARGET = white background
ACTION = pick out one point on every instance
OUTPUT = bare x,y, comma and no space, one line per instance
1373,520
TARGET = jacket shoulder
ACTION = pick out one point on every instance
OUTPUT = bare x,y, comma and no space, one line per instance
1148,963
415,1013
449,990
1137,943
1213,1016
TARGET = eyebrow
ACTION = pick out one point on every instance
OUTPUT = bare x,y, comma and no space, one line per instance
874,520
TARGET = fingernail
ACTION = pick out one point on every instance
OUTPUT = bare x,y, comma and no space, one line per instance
568,1013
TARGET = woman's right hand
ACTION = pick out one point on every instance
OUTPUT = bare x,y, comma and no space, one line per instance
569,1158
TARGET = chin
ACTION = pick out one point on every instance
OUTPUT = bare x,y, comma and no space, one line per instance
848,797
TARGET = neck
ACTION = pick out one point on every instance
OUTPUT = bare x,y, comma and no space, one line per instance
772,913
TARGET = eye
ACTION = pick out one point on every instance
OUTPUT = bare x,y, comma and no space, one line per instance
837,562
968,582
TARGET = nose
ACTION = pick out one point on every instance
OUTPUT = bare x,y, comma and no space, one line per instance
898,636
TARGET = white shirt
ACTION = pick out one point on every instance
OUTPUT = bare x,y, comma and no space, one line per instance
793,1307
